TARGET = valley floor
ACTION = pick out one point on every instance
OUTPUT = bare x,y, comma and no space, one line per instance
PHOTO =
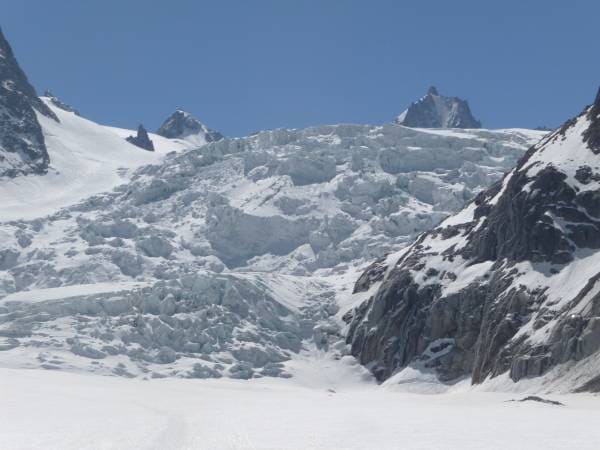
59,410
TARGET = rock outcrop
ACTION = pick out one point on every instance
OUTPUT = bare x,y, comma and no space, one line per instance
22,146
507,286
182,125
142,139
59,103
437,111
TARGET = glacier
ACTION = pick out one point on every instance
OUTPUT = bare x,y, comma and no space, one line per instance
228,259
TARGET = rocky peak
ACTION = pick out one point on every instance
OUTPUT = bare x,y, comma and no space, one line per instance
182,125
14,81
592,134
432,91
142,139
437,111
22,146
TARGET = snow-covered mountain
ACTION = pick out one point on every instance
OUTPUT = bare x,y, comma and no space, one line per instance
437,111
507,288
22,146
85,158
182,125
230,259
212,257
314,279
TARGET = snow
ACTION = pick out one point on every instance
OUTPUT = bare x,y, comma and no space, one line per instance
64,292
556,148
505,182
64,411
401,116
85,159
236,260
162,145
138,283
231,259
561,288
467,274
561,298
464,216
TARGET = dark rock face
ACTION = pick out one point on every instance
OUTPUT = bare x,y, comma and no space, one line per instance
437,111
142,139
478,297
22,146
520,228
592,134
182,124
374,273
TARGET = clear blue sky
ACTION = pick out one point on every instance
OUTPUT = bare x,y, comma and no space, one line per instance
241,66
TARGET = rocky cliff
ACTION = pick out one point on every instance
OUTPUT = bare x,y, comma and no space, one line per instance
22,146
507,286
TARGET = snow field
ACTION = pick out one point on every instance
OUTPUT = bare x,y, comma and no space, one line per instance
64,411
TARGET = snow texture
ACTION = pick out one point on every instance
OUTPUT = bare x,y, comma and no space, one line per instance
230,259
78,412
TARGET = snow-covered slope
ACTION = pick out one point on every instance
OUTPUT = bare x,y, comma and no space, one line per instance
64,411
85,159
508,287
230,259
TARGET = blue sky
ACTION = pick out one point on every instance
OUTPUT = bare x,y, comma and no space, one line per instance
241,66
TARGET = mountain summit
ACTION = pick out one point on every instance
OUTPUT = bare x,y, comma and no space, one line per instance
437,111
141,139
22,146
182,125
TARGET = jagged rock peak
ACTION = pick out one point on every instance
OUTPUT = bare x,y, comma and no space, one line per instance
13,79
437,111
597,100
507,286
59,103
22,146
182,125
592,134
142,139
